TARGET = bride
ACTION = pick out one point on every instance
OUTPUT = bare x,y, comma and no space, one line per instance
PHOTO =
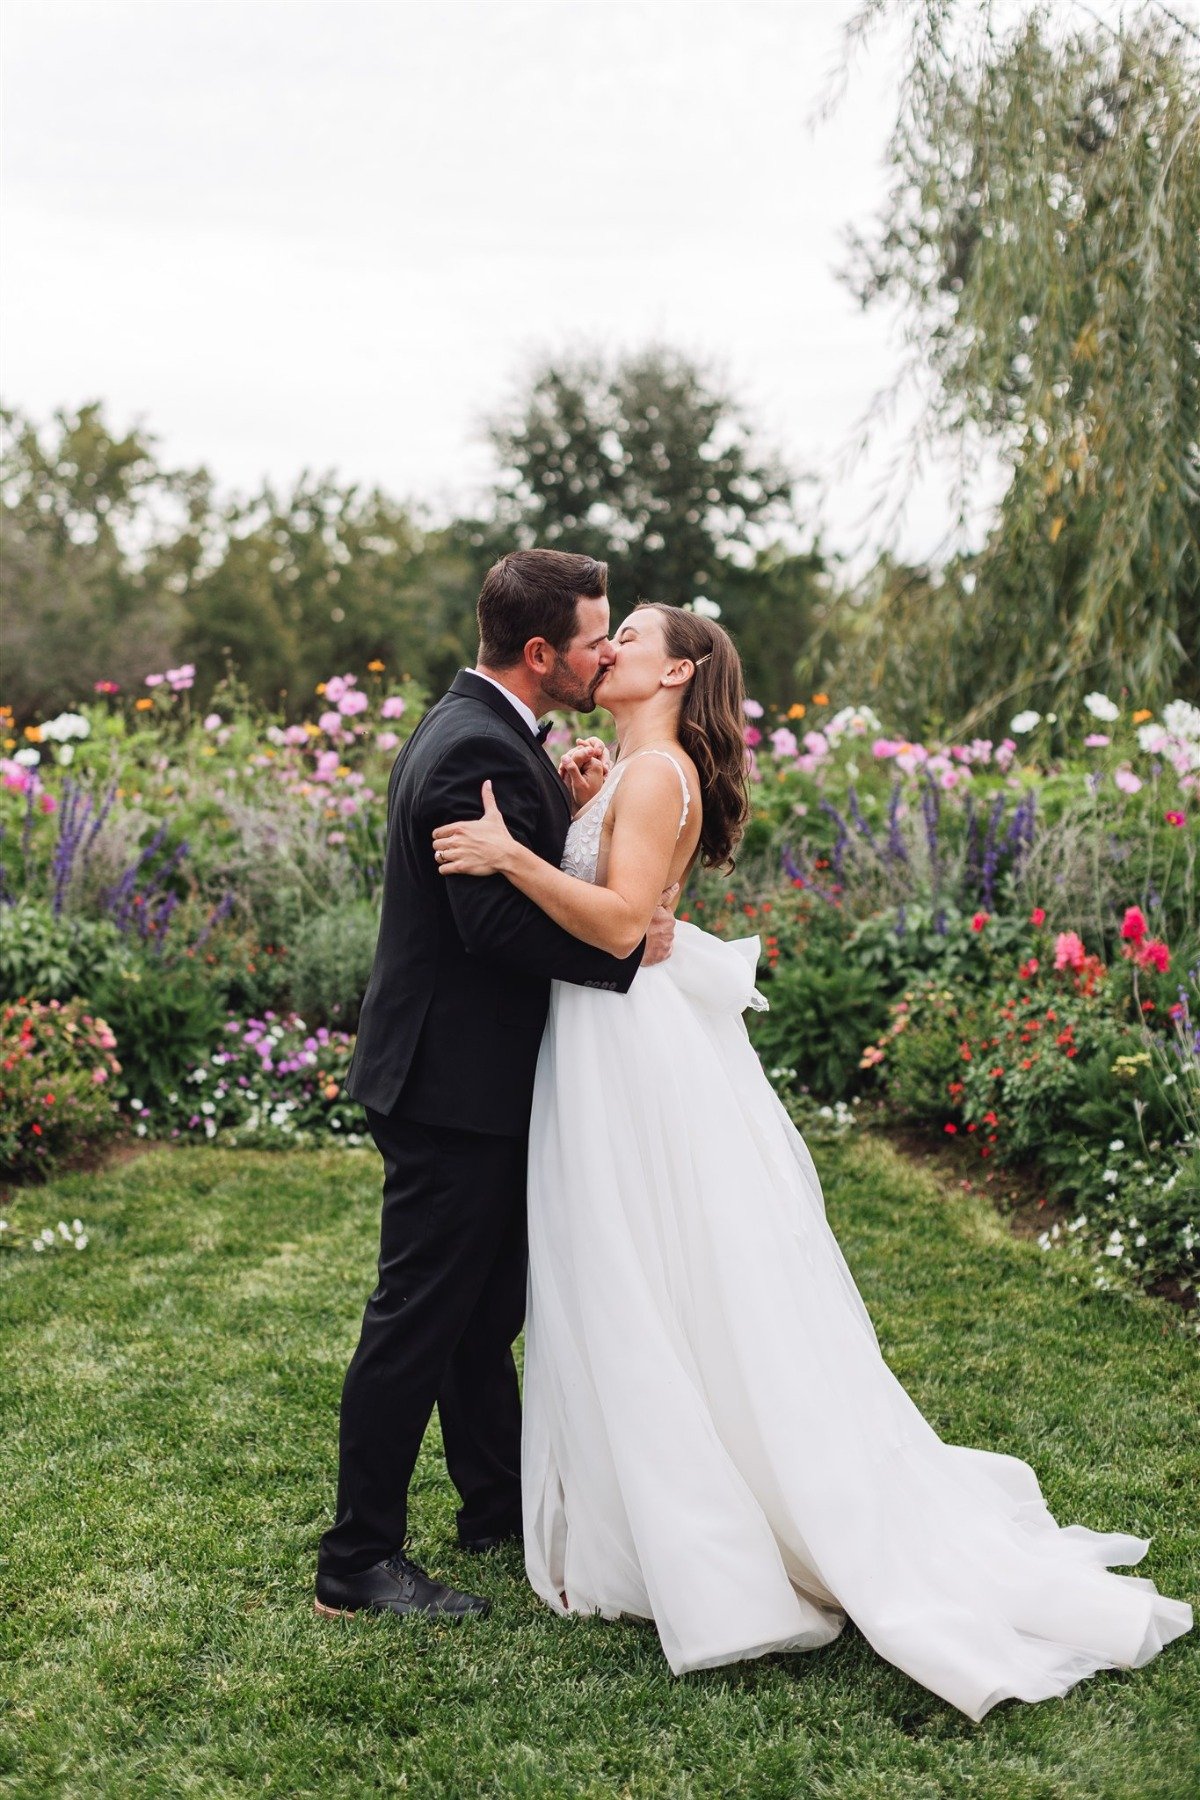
712,1439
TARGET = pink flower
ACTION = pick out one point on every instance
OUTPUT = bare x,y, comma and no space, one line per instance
47,802
752,709
353,702
1038,916
1155,955
783,742
336,686
1005,753
979,920
1096,740
337,837
816,743
330,721
153,680
1175,818
752,735
393,707
211,721
106,687
884,747
1127,781
99,1075
295,734
1068,950
387,740
1134,926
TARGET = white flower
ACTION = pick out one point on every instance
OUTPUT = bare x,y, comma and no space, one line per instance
38,1244
1140,1240
1182,720
64,1230
65,753
1117,1144
66,725
1152,738
28,757
1025,721
1101,707
1110,1175
206,1106
704,608
76,1224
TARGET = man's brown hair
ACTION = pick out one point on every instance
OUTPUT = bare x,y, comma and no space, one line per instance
532,593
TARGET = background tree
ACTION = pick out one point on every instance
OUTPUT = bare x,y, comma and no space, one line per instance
649,464
99,544
1042,239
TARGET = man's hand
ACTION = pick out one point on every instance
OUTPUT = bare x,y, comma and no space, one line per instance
660,933
584,769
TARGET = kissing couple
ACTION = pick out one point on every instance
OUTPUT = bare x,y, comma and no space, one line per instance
577,1137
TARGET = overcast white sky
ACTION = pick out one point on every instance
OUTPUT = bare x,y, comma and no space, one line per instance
304,233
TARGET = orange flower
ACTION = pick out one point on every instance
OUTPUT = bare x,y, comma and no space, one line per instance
1142,714
820,699
34,733
375,667
797,711
143,705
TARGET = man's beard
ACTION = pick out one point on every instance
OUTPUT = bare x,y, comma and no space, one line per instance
564,687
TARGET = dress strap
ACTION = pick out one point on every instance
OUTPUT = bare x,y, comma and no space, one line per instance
678,768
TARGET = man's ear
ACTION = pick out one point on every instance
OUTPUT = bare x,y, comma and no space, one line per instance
539,657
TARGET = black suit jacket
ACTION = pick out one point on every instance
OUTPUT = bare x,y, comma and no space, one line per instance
456,1003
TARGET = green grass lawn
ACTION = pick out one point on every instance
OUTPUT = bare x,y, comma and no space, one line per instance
167,1463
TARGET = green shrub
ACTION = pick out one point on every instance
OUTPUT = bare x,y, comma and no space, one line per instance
824,1009
330,964
166,1020
57,1070
923,1054
44,958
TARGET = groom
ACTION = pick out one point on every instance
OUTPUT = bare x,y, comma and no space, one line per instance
443,1066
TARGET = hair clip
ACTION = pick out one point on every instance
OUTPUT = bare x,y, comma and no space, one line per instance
701,659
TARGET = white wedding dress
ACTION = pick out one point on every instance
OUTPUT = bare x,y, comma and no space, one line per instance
712,1439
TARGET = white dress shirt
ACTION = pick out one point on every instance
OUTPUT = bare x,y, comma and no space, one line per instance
529,717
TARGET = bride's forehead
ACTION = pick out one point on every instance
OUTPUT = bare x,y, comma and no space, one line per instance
637,623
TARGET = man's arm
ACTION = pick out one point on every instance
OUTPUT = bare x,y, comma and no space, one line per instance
493,919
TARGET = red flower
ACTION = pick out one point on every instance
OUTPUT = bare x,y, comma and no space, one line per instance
1155,955
1174,818
1038,916
37,1131
979,920
952,1129
1134,924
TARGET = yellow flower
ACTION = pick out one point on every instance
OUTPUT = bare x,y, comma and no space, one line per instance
1142,714
820,699
375,667
10,743
312,730
797,711
343,768
320,688
142,705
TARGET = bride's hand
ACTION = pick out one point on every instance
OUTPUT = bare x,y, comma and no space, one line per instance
475,846
584,769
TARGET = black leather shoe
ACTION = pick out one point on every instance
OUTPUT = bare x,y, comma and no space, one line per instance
396,1585
477,1546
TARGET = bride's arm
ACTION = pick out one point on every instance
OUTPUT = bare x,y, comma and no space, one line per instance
614,917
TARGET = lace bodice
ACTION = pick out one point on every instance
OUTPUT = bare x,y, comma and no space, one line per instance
581,852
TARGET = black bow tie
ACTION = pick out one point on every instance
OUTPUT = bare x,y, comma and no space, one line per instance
543,729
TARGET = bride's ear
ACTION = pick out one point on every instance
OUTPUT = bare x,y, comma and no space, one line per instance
682,672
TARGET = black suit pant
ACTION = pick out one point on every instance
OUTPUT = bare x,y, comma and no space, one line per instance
438,1330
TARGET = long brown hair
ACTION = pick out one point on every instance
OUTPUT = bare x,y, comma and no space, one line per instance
712,724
